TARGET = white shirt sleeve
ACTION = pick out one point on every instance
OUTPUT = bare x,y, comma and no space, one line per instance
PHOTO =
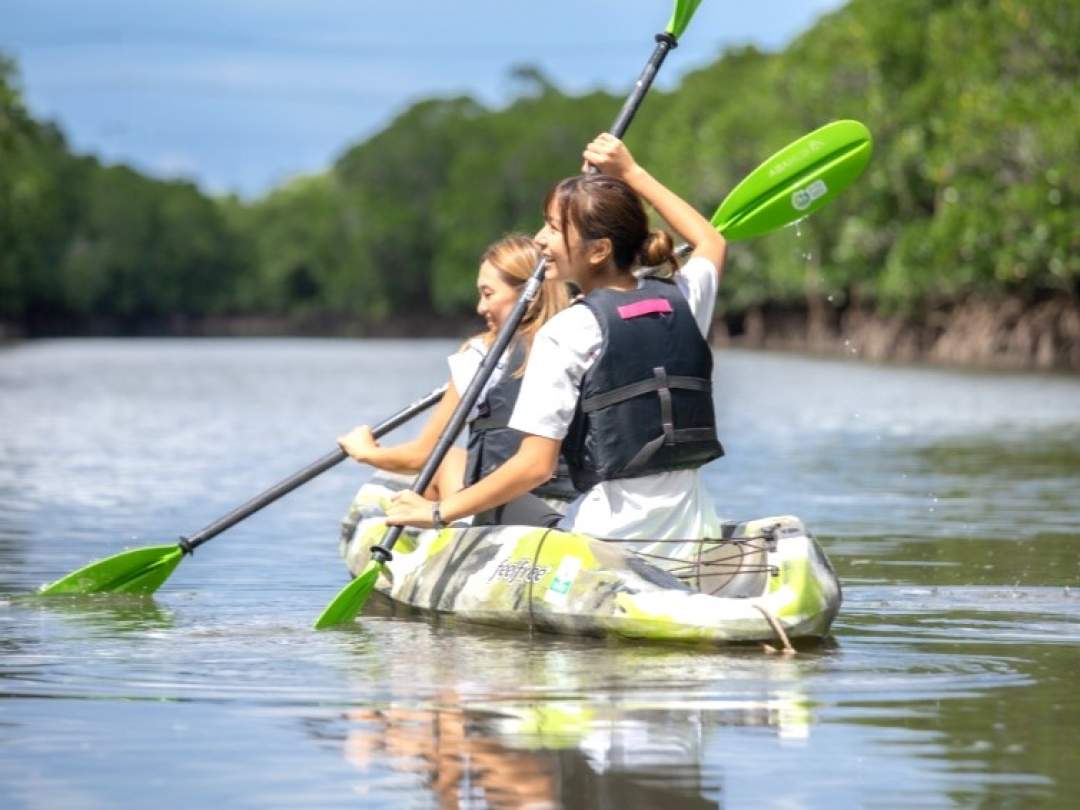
697,281
465,362
563,350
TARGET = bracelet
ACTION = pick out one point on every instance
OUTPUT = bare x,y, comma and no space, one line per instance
436,515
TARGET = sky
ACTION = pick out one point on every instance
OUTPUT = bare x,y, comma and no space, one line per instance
241,95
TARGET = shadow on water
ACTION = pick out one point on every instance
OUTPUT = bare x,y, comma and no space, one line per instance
1049,559
979,510
1040,455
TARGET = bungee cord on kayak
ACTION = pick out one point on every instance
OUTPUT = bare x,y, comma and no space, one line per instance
747,557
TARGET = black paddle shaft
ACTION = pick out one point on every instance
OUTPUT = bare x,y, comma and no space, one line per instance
664,43
382,552
189,544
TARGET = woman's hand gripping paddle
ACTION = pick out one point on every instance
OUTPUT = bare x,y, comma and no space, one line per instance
142,570
790,185
351,599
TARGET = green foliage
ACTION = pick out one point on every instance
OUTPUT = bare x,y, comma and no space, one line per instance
81,241
145,249
35,171
975,112
303,240
973,188
497,181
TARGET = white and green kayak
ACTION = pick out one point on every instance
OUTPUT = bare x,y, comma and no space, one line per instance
765,580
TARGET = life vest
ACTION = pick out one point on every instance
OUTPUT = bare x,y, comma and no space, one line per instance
646,404
492,441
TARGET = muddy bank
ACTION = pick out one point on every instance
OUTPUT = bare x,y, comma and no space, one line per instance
982,334
1008,334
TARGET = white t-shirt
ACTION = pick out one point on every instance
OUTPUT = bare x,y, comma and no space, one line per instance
660,506
466,362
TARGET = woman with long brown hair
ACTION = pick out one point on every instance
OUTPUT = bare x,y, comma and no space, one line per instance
504,268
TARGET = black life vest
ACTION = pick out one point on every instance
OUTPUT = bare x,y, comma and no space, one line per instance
492,442
646,404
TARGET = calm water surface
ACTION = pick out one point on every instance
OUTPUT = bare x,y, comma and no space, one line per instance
948,502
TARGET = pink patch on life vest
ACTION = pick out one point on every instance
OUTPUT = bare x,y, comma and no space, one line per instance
646,307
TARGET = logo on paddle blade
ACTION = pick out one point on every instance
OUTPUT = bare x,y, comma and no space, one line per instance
802,198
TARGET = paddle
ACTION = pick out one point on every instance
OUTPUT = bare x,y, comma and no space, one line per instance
344,607
791,184
142,570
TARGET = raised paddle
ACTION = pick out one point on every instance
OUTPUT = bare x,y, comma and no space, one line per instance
142,570
344,607
791,184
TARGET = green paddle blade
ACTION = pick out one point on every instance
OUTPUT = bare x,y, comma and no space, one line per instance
680,17
138,571
796,181
350,599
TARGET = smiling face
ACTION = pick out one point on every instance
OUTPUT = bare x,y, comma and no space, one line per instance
555,248
585,262
496,296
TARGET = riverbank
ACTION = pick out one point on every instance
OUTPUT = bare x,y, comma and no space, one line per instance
422,325
1001,334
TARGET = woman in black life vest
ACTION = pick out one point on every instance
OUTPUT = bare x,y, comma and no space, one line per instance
621,381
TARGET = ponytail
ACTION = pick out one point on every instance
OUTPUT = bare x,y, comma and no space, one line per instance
658,250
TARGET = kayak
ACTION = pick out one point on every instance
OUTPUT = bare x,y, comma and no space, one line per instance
764,580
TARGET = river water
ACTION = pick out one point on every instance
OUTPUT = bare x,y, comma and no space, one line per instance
947,501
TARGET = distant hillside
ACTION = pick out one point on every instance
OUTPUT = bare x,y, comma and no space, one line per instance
973,193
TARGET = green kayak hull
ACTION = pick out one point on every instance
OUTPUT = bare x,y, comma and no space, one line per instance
762,580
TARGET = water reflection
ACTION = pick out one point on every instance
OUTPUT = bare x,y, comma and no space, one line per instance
552,753
573,724
106,615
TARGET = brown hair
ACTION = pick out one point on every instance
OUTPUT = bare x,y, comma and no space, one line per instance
603,207
514,257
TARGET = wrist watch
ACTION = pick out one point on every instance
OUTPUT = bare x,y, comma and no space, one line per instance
436,515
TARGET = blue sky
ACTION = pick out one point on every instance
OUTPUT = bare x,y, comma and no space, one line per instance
239,95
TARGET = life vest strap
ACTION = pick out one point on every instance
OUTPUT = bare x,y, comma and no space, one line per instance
654,383
489,423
